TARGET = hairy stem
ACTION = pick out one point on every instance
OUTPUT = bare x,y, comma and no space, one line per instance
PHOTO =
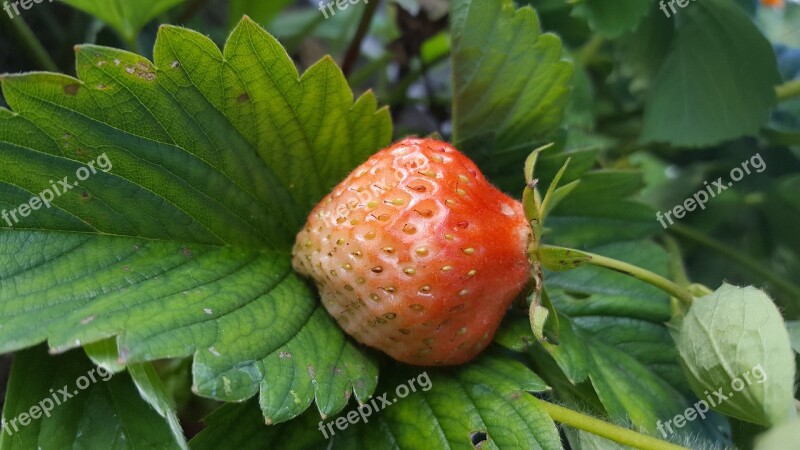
607,430
642,274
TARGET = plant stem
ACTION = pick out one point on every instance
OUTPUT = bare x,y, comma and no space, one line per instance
724,250
607,430
677,269
29,40
355,46
586,53
788,90
642,274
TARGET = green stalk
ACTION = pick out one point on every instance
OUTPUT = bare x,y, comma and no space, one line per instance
28,39
586,54
735,256
642,274
607,430
787,90
676,268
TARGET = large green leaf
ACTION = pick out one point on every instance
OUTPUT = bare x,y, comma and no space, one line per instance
127,17
717,82
510,84
85,407
643,51
601,208
488,401
182,248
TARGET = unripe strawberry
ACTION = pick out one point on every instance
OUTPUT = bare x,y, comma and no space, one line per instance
416,254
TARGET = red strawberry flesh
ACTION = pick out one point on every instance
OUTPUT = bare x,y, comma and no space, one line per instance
416,254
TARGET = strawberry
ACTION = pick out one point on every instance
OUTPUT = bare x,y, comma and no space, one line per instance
416,254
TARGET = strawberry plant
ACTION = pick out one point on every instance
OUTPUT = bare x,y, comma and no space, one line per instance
440,224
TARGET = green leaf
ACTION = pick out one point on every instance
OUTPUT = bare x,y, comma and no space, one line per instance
558,195
152,390
531,199
582,160
105,413
105,354
595,206
127,17
510,84
644,50
550,200
733,342
712,87
489,399
601,209
241,426
629,390
182,247
538,317
612,19
570,354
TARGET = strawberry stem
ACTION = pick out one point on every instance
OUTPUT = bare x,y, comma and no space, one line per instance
562,258
647,276
607,430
